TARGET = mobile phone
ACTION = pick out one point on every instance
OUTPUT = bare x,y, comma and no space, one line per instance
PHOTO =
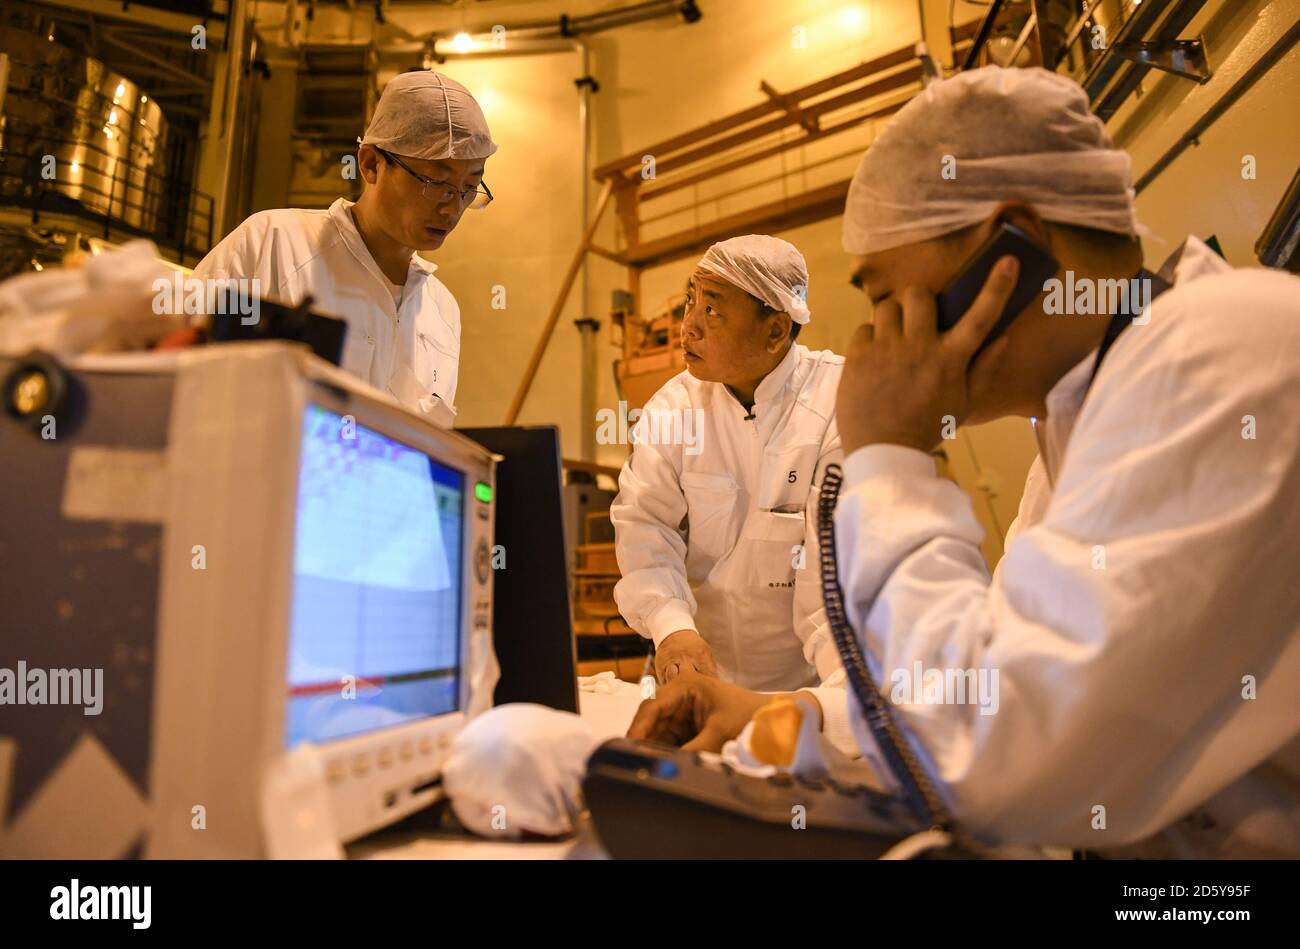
1037,265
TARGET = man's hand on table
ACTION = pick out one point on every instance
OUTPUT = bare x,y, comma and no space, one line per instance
683,651
698,713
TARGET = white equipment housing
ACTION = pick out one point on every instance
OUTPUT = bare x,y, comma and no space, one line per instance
292,624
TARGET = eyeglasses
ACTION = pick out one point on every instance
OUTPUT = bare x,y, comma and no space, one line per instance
475,199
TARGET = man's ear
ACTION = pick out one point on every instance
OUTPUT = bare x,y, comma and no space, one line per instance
368,160
779,331
1021,215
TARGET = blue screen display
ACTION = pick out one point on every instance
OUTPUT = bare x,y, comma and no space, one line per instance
375,615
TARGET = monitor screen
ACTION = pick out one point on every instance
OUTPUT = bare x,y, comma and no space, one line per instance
375,613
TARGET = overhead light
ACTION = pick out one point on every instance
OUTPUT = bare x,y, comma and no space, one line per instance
75,167
462,42
853,18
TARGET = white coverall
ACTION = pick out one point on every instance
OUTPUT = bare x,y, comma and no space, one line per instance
1145,620
409,349
709,541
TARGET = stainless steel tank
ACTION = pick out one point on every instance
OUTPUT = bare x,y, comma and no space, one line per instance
106,136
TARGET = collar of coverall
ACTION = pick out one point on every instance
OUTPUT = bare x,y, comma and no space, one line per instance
341,213
774,382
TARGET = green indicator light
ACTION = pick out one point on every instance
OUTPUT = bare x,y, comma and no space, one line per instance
483,492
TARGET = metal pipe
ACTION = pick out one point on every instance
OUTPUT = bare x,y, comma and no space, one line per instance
982,37
587,325
1079,26
565,28
1023,38
225,116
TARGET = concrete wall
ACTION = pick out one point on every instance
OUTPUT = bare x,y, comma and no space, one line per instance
522,243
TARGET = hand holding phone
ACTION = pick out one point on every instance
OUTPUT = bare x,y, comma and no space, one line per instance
1037,265
909,387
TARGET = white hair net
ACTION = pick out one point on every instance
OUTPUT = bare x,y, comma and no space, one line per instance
765,267
966,144
424,114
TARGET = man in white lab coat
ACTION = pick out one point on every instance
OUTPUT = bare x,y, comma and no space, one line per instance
1140,634
422,159
712,527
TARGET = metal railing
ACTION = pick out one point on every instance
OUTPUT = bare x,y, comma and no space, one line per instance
171,215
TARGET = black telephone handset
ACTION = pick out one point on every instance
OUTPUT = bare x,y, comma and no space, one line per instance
1037,266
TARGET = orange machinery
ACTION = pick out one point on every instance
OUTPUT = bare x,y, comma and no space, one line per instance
652,350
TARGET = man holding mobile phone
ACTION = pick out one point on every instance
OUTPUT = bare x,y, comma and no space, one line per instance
1144,624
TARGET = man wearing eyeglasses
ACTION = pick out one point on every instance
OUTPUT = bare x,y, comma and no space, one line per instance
422,159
